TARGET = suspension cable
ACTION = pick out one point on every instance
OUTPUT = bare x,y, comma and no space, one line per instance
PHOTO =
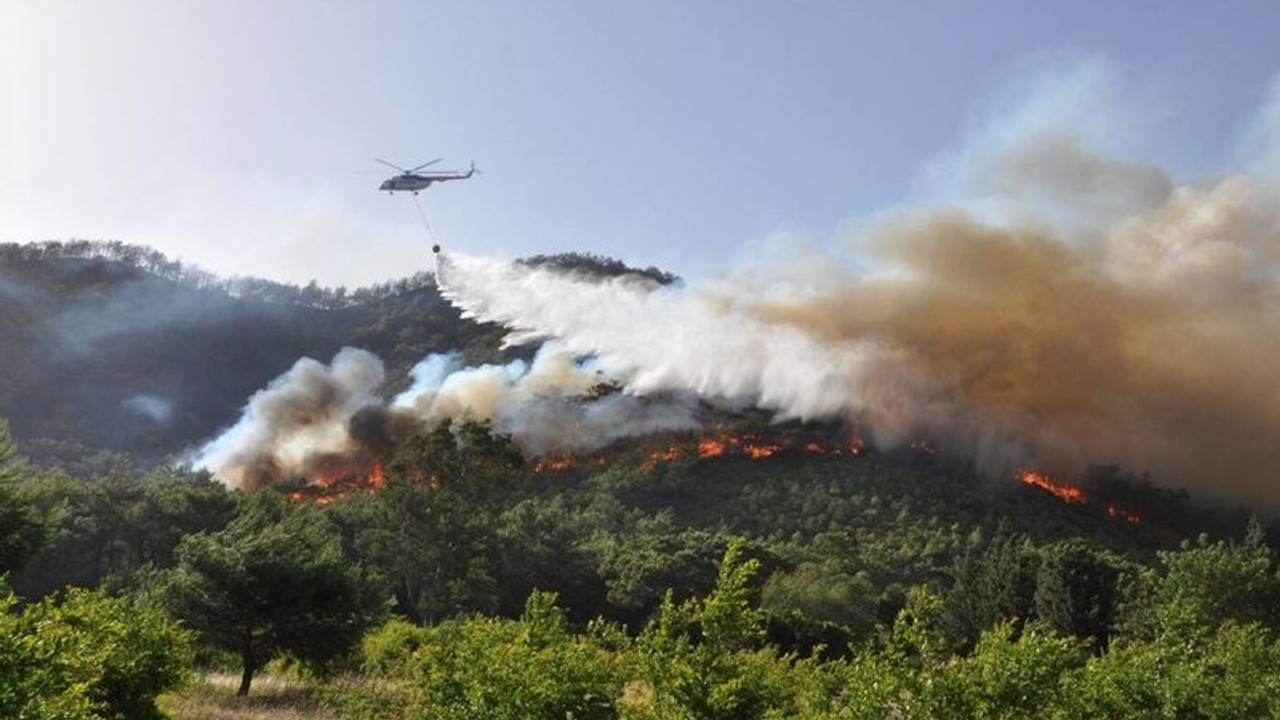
418,204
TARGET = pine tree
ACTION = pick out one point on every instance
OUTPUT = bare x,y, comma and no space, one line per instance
12,465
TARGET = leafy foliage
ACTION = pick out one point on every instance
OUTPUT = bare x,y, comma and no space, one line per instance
1076,590
486,668
274,581
1208,584
87,655
105,529
22,532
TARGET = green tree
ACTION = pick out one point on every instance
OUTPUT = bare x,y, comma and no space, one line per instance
138,650
433,529
654,555
491,669
109,527
991,584
12,465
274,582
545,545
1010,674
45,669
1076,590
1209,583
704,659
1231,672
22,531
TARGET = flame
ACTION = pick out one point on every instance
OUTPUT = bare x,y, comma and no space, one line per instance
338,482
1071,494
668,455
1044,482
1116,511
553,464
756,452
720,444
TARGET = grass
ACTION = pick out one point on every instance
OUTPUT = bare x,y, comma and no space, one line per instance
273,697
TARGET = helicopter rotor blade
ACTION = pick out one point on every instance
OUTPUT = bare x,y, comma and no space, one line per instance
392,165
425,164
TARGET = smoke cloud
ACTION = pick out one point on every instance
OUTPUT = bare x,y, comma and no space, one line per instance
1064,306
1067,309
318,421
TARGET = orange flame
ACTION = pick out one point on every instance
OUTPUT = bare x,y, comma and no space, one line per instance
1116,511
1073,494
332,484
1044,482
553,464
711,447
721,444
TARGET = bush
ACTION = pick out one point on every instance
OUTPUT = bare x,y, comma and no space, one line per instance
490,669
87,655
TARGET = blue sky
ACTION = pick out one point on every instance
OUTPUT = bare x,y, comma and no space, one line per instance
681,134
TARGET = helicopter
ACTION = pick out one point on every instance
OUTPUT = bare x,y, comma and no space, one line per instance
414,181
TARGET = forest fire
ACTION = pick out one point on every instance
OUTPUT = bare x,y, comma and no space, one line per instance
1116,511
721,444
334,484
1066,493
1072,494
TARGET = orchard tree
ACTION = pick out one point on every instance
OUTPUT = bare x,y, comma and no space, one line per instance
274,582
83,655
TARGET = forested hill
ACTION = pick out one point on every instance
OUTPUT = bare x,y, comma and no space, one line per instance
115,346
112,346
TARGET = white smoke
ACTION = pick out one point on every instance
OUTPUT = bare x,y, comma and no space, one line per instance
674,340
318,420
546,406
1065,304
1064,307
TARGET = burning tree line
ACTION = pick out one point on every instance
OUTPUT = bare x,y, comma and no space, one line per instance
341,475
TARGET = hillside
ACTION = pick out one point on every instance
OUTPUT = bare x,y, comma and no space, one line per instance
114,347
452,554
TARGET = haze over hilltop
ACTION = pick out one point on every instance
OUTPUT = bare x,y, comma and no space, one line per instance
118,347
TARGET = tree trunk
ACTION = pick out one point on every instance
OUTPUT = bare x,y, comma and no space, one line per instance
246,653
